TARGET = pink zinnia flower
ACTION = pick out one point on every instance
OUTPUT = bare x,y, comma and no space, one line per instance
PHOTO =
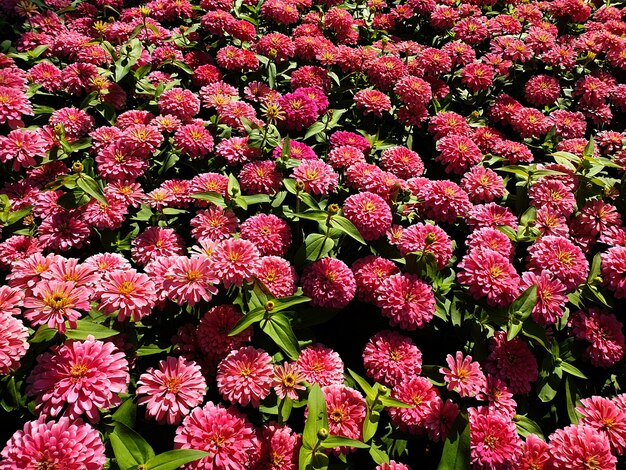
443,201
245,376
576,447
406,300
13,343
214,223
182,103
463,375
172,390
458,153
535,454
213,329
318,177
346,411
489,275
13,105
607,417
402,162
613,269
329,283
369,274
287,381
279,448
11,299
194,140
62,231
22,146
419,393
389,357
235,261
440,417
260,177
79,377
482,184
604,331
321,365
369,213
53,303
513,362
491,238
189,280
226,434
270,234
494,441
551,297
130,293
426,238
498,395
392,465
372,102
560,257
65,443
277,275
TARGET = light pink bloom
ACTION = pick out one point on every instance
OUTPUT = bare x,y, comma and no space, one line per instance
80,377
172,390
66,443
245,376
53,303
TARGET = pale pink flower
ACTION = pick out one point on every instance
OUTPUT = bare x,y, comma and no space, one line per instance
79,377
172,390
245,376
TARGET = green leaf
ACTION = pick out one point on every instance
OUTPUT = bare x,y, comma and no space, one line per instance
526,426
286,302
18,215
129,447
90,187
378,455
596,264
571,370
279,329
215,198
317,246
393,403
317,417
571,397
126,413
338,441
173,459
366,387
43,334
456,449
85,327
520,310
315,129
248,319
347,227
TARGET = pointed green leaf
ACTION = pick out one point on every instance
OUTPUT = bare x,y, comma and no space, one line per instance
173,459
129,447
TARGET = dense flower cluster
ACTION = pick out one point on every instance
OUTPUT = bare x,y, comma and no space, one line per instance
293,233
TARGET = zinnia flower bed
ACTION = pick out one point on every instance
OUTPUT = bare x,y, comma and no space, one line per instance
286,234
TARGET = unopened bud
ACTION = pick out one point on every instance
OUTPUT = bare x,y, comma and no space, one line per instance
333,209
269,306
77,167
299,186
322,434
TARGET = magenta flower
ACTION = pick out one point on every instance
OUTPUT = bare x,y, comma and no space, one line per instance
329,283
463,375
